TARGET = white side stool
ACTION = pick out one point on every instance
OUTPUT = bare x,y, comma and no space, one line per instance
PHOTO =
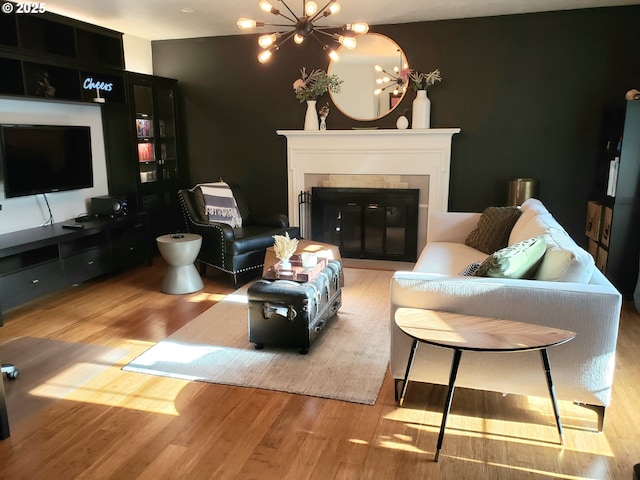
180,251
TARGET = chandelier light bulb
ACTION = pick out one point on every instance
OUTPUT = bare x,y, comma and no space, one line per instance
386,79
245,23
266,6
265,41
357,27
377,92
378,68
334,8
310,9
264,56
333,55
298,39
348,42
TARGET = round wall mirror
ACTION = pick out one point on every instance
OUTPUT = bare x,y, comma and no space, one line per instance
356,68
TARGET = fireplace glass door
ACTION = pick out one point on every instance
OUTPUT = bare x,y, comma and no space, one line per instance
376,223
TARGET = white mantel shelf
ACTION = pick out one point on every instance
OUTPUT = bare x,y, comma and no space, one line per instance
372,152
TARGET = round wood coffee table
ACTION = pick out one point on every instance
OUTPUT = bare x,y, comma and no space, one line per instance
467,332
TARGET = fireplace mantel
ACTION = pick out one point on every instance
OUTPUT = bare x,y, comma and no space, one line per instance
372,152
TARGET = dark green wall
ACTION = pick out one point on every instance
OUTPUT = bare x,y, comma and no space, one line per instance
528,92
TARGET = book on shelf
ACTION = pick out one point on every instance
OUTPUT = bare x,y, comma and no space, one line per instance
145,152
144,128
613,176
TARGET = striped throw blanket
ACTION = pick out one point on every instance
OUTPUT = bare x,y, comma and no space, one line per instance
220,204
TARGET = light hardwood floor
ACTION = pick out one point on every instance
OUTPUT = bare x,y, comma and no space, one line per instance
73,417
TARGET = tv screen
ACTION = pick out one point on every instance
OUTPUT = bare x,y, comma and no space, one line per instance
45,158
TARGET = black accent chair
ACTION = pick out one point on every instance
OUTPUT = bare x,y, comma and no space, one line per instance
237,251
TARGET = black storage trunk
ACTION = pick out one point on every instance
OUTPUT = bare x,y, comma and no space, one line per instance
284,313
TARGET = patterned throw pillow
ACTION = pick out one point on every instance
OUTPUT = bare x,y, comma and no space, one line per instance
493,229
520,260
470,270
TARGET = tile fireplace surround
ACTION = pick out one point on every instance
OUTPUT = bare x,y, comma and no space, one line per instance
422,157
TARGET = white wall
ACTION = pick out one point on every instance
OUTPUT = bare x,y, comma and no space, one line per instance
31,211
137,54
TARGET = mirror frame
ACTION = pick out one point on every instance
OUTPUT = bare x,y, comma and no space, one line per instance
346,54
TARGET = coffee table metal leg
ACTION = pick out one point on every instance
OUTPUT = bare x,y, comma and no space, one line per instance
447,405
405,382
552,392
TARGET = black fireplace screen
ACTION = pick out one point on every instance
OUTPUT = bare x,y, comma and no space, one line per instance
377,223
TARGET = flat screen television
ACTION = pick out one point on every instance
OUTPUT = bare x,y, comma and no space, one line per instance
45,158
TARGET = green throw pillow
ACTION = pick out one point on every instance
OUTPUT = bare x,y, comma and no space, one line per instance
520,260
493,229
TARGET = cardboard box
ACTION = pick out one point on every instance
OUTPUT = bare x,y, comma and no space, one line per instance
593,248
594,220
606,226
601,260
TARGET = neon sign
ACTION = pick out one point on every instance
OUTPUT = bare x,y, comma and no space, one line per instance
90,84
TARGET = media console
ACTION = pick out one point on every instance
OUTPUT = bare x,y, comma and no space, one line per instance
41,260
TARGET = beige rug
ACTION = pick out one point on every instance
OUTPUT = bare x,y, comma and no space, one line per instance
347,362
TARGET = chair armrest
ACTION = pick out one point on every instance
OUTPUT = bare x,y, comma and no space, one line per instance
211,229
277,220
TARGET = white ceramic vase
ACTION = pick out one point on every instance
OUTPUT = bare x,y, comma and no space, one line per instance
402,122
311,117
421,114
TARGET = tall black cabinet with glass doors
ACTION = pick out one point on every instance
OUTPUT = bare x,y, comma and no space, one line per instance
144,154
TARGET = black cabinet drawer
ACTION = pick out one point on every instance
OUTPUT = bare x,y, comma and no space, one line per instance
30,283
87,265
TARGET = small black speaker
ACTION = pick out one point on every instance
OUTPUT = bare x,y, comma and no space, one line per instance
108,206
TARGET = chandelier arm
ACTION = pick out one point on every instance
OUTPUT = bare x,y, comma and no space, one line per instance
313,34
280,14
287,38
288,25
322,10
291,11
332,35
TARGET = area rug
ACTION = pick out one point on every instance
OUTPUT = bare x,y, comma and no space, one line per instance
347,362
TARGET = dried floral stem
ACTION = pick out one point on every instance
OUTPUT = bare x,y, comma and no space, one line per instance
284,246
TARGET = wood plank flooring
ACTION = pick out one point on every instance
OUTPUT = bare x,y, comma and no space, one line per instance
122,425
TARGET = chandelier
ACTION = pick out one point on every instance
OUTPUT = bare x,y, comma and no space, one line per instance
303,27
399,79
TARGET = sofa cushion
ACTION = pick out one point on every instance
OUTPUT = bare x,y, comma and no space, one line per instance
494,227
447,258
524,227
517,261
564,260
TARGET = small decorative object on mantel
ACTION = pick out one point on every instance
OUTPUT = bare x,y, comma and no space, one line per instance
324,113
309,87
403,122
633,94
421,115
284,247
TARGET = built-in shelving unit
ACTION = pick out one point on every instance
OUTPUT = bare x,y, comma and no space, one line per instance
41,260
612,225
49,56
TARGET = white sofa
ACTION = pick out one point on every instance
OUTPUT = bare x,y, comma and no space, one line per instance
579,298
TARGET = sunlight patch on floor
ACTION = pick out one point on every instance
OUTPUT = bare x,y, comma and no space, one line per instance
537,434
207,297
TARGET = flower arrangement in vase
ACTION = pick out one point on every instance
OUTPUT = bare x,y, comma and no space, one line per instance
309,87
284,247
420,117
